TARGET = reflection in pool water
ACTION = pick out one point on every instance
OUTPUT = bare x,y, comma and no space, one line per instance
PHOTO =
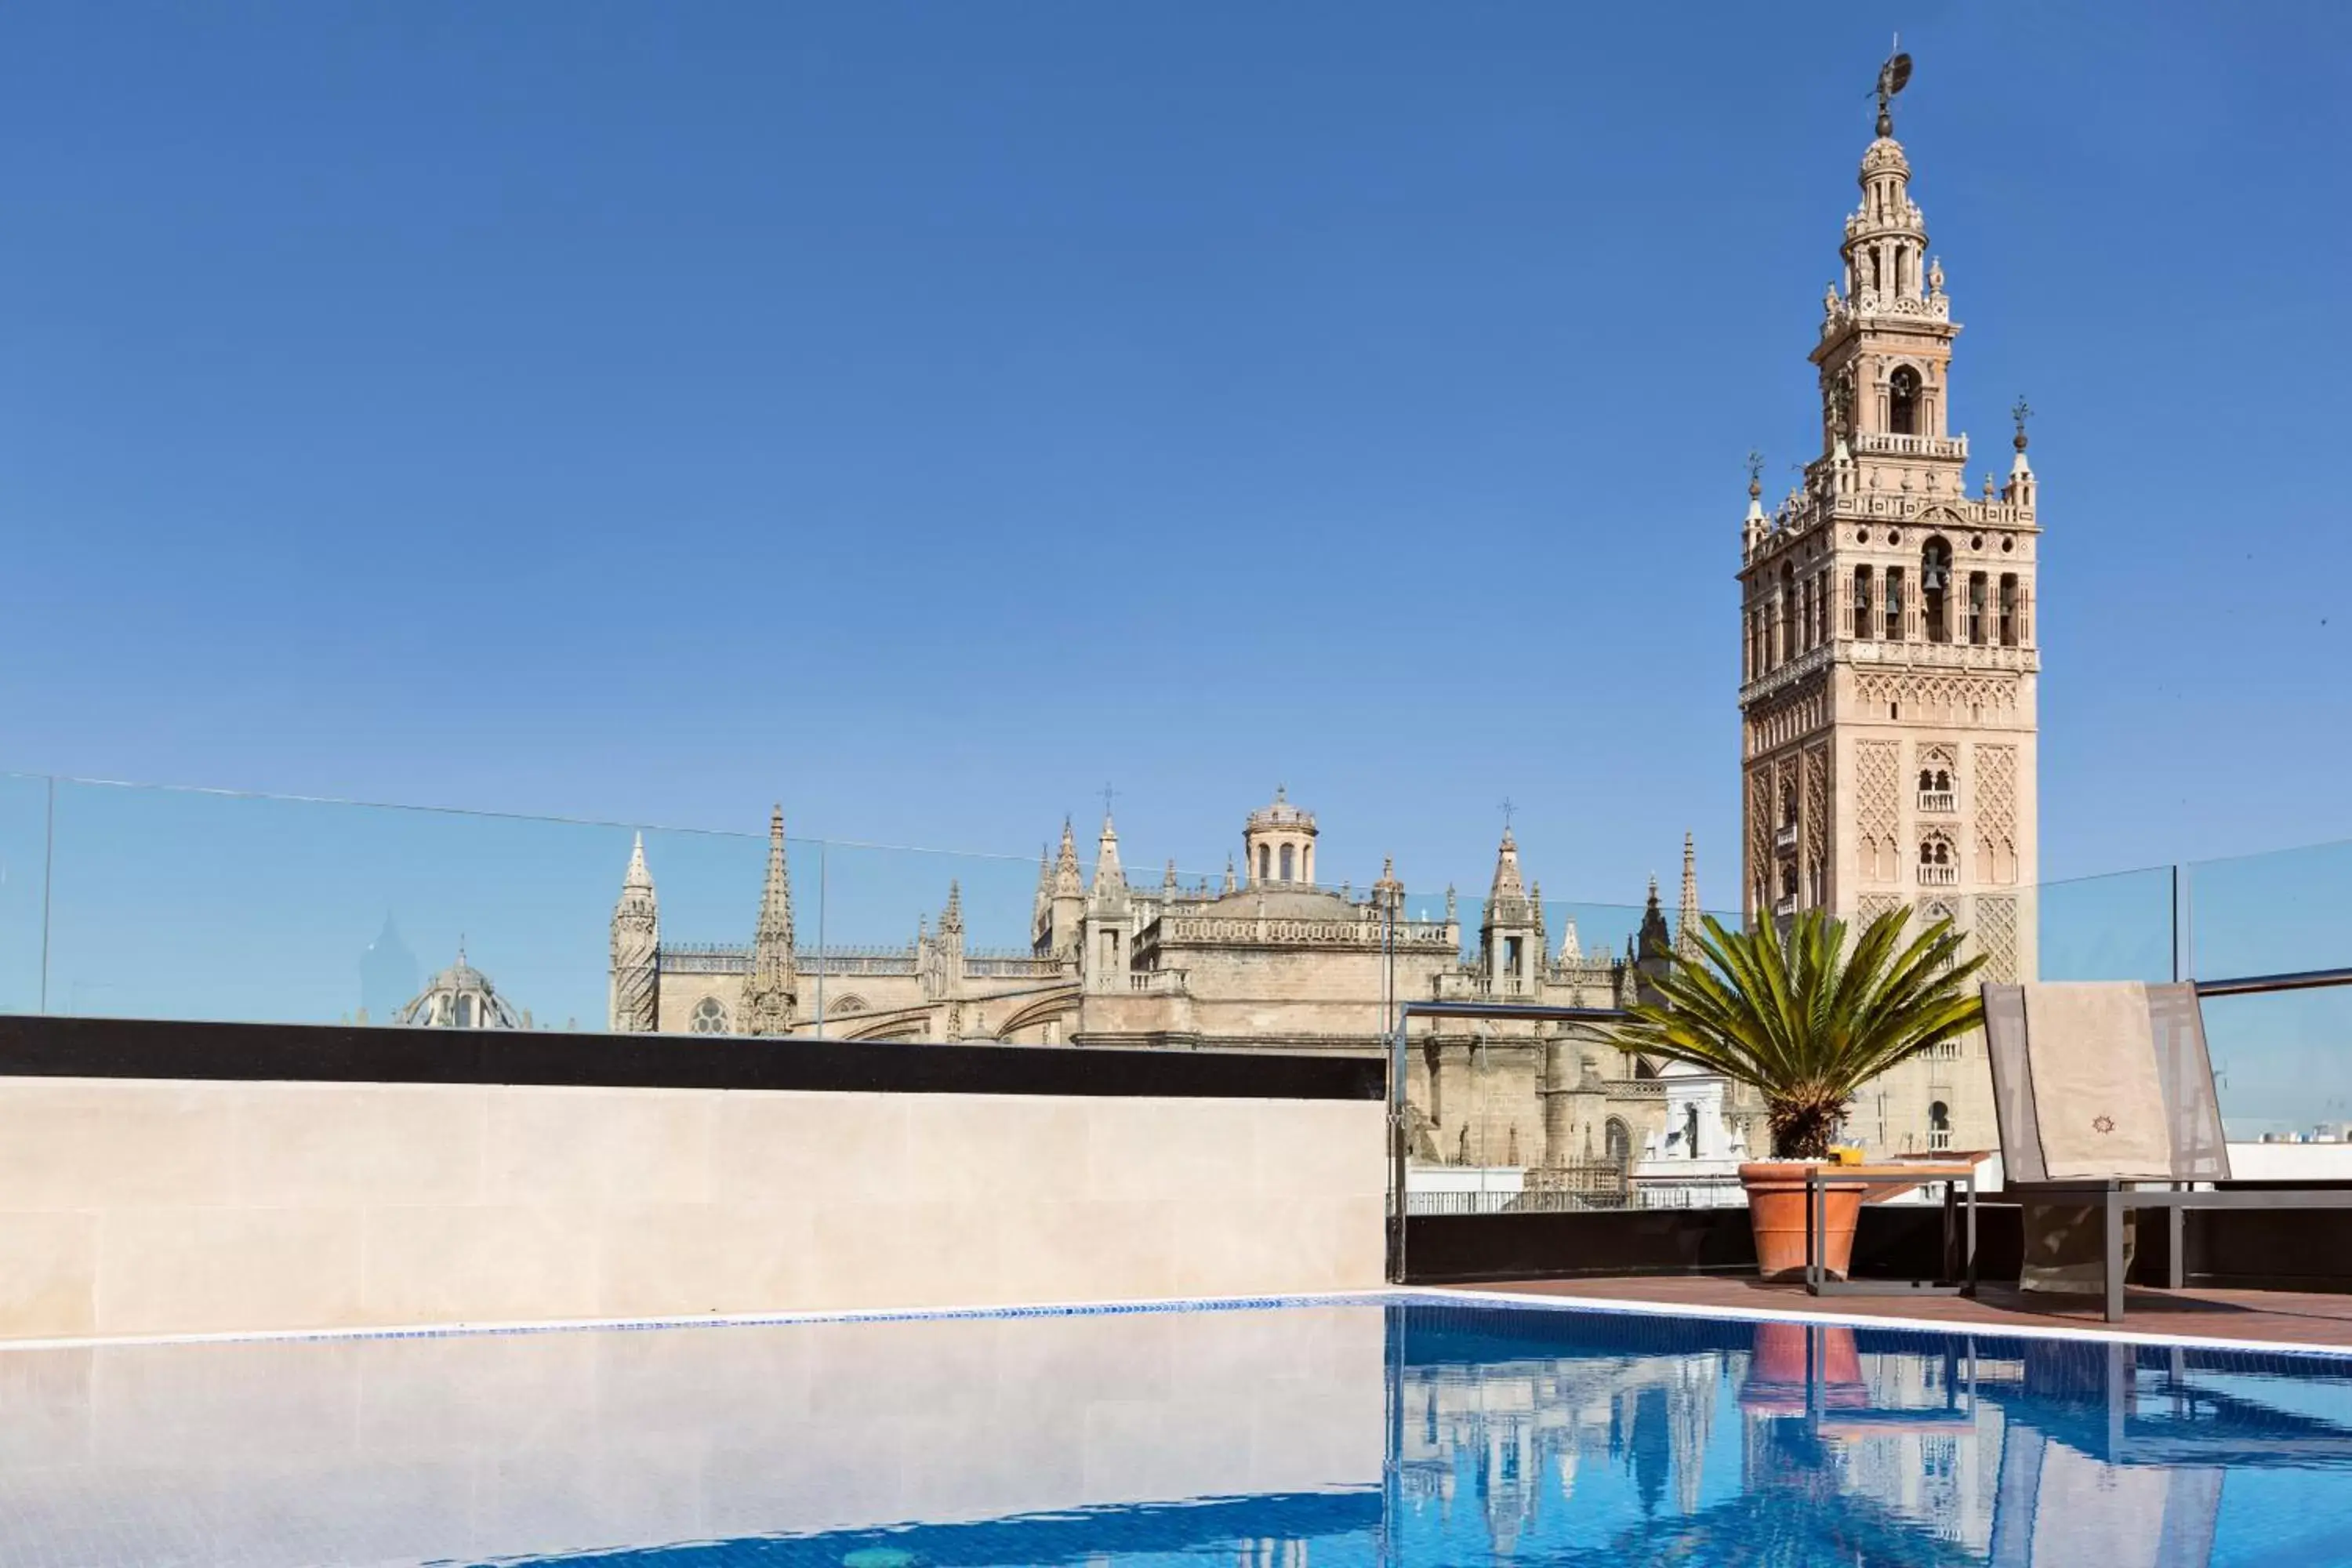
1397,1435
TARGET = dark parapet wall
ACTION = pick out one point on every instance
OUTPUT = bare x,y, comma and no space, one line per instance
143,1048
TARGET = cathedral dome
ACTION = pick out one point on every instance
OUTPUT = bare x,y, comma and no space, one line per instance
461,997
1276,902
1279,843
1280,813
1885,156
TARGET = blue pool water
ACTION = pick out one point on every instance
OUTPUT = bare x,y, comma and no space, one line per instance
1403,1434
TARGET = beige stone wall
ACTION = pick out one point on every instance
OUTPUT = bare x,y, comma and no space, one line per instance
492,1448
143,1207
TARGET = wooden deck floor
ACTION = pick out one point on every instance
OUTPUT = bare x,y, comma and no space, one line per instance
2273,1317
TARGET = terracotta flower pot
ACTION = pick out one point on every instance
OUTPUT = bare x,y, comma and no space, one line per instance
1789,1358
1775,1207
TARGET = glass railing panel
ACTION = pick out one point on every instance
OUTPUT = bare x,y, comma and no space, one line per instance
2115,927
2269,914
710,891
185,904
925,945
1511,1114
2283,1069
24,889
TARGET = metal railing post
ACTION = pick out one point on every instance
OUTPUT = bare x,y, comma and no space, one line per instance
2175,922
48,867
2188,921
1397,1140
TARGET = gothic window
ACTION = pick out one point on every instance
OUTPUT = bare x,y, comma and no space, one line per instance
710,1017
1862,623
1938,865
1618,1142
1935,582
1894,606
2009,609
1978,621
1265,863
1286,862
1939,1125
1512,954
1903,401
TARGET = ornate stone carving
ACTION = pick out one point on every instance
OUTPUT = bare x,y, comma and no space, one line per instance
1996,936
1870,905
1760,836
1950,695
1790,716
1817,818
1875,764
1996,813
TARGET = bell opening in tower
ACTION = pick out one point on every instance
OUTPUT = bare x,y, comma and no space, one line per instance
1935,582
1903,401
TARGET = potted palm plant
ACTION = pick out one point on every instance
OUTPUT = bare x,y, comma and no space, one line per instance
1788,1010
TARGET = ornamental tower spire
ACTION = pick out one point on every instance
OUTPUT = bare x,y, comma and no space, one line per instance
1109,875
772,987
1063,902
1510,936
1686,916
1506,884
634,1006
1653,940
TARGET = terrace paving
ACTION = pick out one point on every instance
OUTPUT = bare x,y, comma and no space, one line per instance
2269,1317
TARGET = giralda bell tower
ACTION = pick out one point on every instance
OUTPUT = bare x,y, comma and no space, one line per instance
1888,661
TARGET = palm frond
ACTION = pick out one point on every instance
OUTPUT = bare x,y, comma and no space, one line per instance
1791,1013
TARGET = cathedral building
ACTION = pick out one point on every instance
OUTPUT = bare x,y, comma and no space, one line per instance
1889,662
1266,960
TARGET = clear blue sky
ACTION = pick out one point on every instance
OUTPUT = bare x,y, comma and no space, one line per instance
925,413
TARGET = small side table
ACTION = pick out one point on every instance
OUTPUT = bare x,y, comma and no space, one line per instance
1958,1178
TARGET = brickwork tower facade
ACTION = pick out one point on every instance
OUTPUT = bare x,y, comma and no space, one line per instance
1888,660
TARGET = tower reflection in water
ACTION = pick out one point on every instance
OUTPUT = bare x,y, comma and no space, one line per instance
1572,1438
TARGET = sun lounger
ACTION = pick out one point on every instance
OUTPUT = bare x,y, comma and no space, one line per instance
2104,1096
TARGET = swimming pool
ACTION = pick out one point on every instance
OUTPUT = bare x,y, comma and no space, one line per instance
1402,1432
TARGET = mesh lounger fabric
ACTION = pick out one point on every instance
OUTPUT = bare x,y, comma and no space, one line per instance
2098,1099
2184,1076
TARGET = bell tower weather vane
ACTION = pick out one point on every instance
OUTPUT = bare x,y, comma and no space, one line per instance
1893,77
